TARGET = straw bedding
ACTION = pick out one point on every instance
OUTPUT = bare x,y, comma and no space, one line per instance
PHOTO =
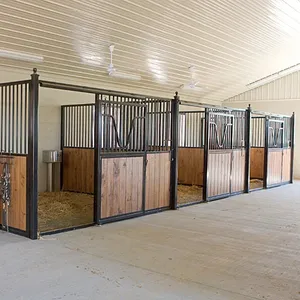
189,193
256,183
59,210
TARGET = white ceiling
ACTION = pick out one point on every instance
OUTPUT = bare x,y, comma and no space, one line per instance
230,42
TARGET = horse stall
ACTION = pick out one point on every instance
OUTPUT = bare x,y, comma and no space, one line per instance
133,156
71,205
271,152
18,156
212,153
190,157
116,160
226,152
279,150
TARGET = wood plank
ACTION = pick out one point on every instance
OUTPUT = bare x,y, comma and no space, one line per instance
274,166
121,186
190,166
238,170
286,165
257,157
17,208
218,172
78,170
158,180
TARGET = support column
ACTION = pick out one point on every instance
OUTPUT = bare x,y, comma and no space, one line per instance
32,158
174,150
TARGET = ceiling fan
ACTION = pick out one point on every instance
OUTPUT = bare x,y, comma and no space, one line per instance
113,72
193,84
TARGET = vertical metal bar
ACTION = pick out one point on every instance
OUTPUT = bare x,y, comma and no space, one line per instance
248,134
26,119
174,151
62,144
266,152
17,121
144,148
82,126
21,120
97,159
206,154
2,120
292,133
32,158
9,119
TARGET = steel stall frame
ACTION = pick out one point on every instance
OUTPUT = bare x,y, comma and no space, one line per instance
32,157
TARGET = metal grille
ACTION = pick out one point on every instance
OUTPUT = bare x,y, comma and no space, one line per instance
159,124
123,126
14,117
239,129
221,126
191,129
276,133
78,123
287,133
258,132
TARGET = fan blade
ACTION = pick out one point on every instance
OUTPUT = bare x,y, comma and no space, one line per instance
124,75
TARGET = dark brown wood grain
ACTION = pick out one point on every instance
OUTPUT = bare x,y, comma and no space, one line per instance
78,170
190,166
257,157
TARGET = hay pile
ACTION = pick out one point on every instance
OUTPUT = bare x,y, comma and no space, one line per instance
189,193
256,184
59,210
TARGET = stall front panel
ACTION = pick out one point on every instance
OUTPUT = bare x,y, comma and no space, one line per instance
226,153
279,150
122,144
15,99
158,164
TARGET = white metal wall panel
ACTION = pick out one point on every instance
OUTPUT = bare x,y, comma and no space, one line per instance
284,88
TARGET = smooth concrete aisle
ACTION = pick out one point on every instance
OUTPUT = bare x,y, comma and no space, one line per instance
244,247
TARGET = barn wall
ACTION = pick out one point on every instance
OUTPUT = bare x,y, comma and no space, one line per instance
281,96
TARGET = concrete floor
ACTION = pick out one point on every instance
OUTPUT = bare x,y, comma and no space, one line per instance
245,247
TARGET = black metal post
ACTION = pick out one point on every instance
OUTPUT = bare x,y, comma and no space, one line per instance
248,148
62,143
292,146
145,159
32,159
97,159
206,149
266,154
174,150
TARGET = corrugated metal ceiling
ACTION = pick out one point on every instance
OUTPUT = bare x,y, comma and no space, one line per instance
230,42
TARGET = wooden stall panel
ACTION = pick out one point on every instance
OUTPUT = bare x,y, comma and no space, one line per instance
78,170
122,186
286,165
190,166
17,208
274,166
219,163
257,158
158,180
238,170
